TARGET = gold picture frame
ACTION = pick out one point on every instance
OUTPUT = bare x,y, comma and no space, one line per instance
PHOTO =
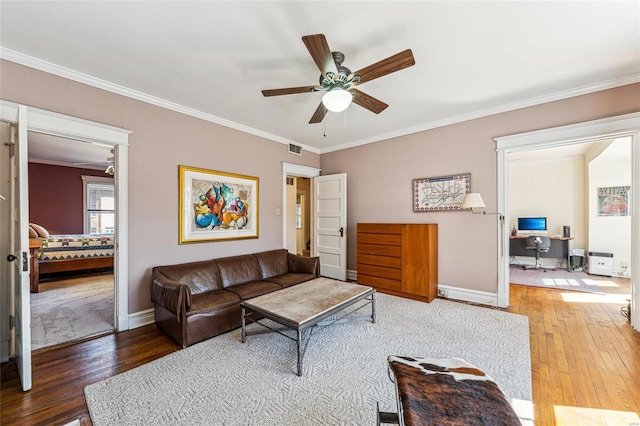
217,206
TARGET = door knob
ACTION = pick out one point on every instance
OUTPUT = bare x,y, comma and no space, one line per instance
341,231
11,258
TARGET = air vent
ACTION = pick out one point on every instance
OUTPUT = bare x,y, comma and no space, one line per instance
295,149
289,181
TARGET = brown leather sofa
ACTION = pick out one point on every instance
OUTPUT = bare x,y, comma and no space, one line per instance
198,300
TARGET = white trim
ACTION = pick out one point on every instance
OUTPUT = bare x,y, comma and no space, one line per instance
39,64
551,97
604,129
352,275
79,129
290,169
141,318
29,61
466,295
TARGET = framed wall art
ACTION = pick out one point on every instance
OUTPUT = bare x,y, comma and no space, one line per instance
614,201
443,193
216,206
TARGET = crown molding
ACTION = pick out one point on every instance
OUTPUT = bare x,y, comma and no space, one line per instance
48,67
551,97
39,64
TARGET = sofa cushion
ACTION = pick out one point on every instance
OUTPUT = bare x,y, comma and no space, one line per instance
212,300
272,263
236,270
289,279
253,289
199,276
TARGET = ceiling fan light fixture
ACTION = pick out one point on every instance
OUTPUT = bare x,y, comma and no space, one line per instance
337,100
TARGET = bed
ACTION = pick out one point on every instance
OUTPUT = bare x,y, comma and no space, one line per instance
67,253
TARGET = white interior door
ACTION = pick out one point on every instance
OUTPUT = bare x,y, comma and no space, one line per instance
330,224
19,235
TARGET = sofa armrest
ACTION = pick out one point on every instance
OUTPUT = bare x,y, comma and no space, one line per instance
171,295
303,265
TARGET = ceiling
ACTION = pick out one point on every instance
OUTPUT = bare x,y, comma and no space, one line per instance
212,58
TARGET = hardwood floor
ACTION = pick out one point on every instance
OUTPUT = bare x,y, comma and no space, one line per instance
585,362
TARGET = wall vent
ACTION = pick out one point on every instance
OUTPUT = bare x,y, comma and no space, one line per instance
295,149
289,181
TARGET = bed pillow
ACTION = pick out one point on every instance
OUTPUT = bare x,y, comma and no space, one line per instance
32,232
42,233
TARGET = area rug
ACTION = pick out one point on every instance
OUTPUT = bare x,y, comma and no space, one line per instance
224,382
71,309
559,279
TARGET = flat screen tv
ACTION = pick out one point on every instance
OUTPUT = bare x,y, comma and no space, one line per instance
532,224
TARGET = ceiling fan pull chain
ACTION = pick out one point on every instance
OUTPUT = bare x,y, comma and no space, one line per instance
325,128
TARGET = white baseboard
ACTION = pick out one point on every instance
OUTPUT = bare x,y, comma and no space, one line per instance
454,293
352,275
138,319
466,295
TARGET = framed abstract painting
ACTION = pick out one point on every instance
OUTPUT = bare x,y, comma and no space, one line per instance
217,206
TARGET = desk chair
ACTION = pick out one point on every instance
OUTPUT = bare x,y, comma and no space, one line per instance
540,245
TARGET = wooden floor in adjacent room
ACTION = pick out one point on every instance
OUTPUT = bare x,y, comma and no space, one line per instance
585,362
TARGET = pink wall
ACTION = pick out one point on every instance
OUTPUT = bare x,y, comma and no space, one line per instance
379,178
55,197
379,175
162,140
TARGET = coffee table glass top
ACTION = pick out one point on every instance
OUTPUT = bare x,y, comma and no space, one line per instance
306,301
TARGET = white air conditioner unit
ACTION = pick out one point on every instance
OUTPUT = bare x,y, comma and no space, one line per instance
600,263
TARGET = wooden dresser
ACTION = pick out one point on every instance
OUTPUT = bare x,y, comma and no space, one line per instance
399,259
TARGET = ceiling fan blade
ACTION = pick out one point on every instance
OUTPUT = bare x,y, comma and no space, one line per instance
368,102
289,90
393,63
318,116
319,49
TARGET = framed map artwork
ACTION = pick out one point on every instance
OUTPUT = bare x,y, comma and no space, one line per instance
443,193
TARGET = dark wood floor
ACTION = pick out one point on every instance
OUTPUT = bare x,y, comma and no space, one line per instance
583,355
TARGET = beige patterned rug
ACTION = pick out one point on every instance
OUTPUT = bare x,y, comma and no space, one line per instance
560,279
222,381
71,309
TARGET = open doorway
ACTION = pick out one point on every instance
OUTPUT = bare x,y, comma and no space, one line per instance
72,226
597,130
298,215
554,190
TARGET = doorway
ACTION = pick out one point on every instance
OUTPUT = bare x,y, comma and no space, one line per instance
298,215
558,186
613,127
27,119
71,198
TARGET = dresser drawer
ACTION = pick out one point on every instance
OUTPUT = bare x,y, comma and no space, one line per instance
379,282
380,271
378,249
385,239
380,228
372,259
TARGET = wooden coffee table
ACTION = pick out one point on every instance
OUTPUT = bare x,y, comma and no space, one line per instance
308,305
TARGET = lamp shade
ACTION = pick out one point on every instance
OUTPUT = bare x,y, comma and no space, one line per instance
473,201
337,100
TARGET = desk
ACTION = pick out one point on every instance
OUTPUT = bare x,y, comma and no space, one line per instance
560,248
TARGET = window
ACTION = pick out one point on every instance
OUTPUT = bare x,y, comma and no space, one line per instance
99,205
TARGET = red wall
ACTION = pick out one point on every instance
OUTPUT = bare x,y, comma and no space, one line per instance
55,197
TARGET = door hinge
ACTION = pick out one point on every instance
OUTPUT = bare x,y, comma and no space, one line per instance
12,149
25,261
12,322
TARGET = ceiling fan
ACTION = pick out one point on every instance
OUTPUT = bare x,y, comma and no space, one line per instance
339,82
